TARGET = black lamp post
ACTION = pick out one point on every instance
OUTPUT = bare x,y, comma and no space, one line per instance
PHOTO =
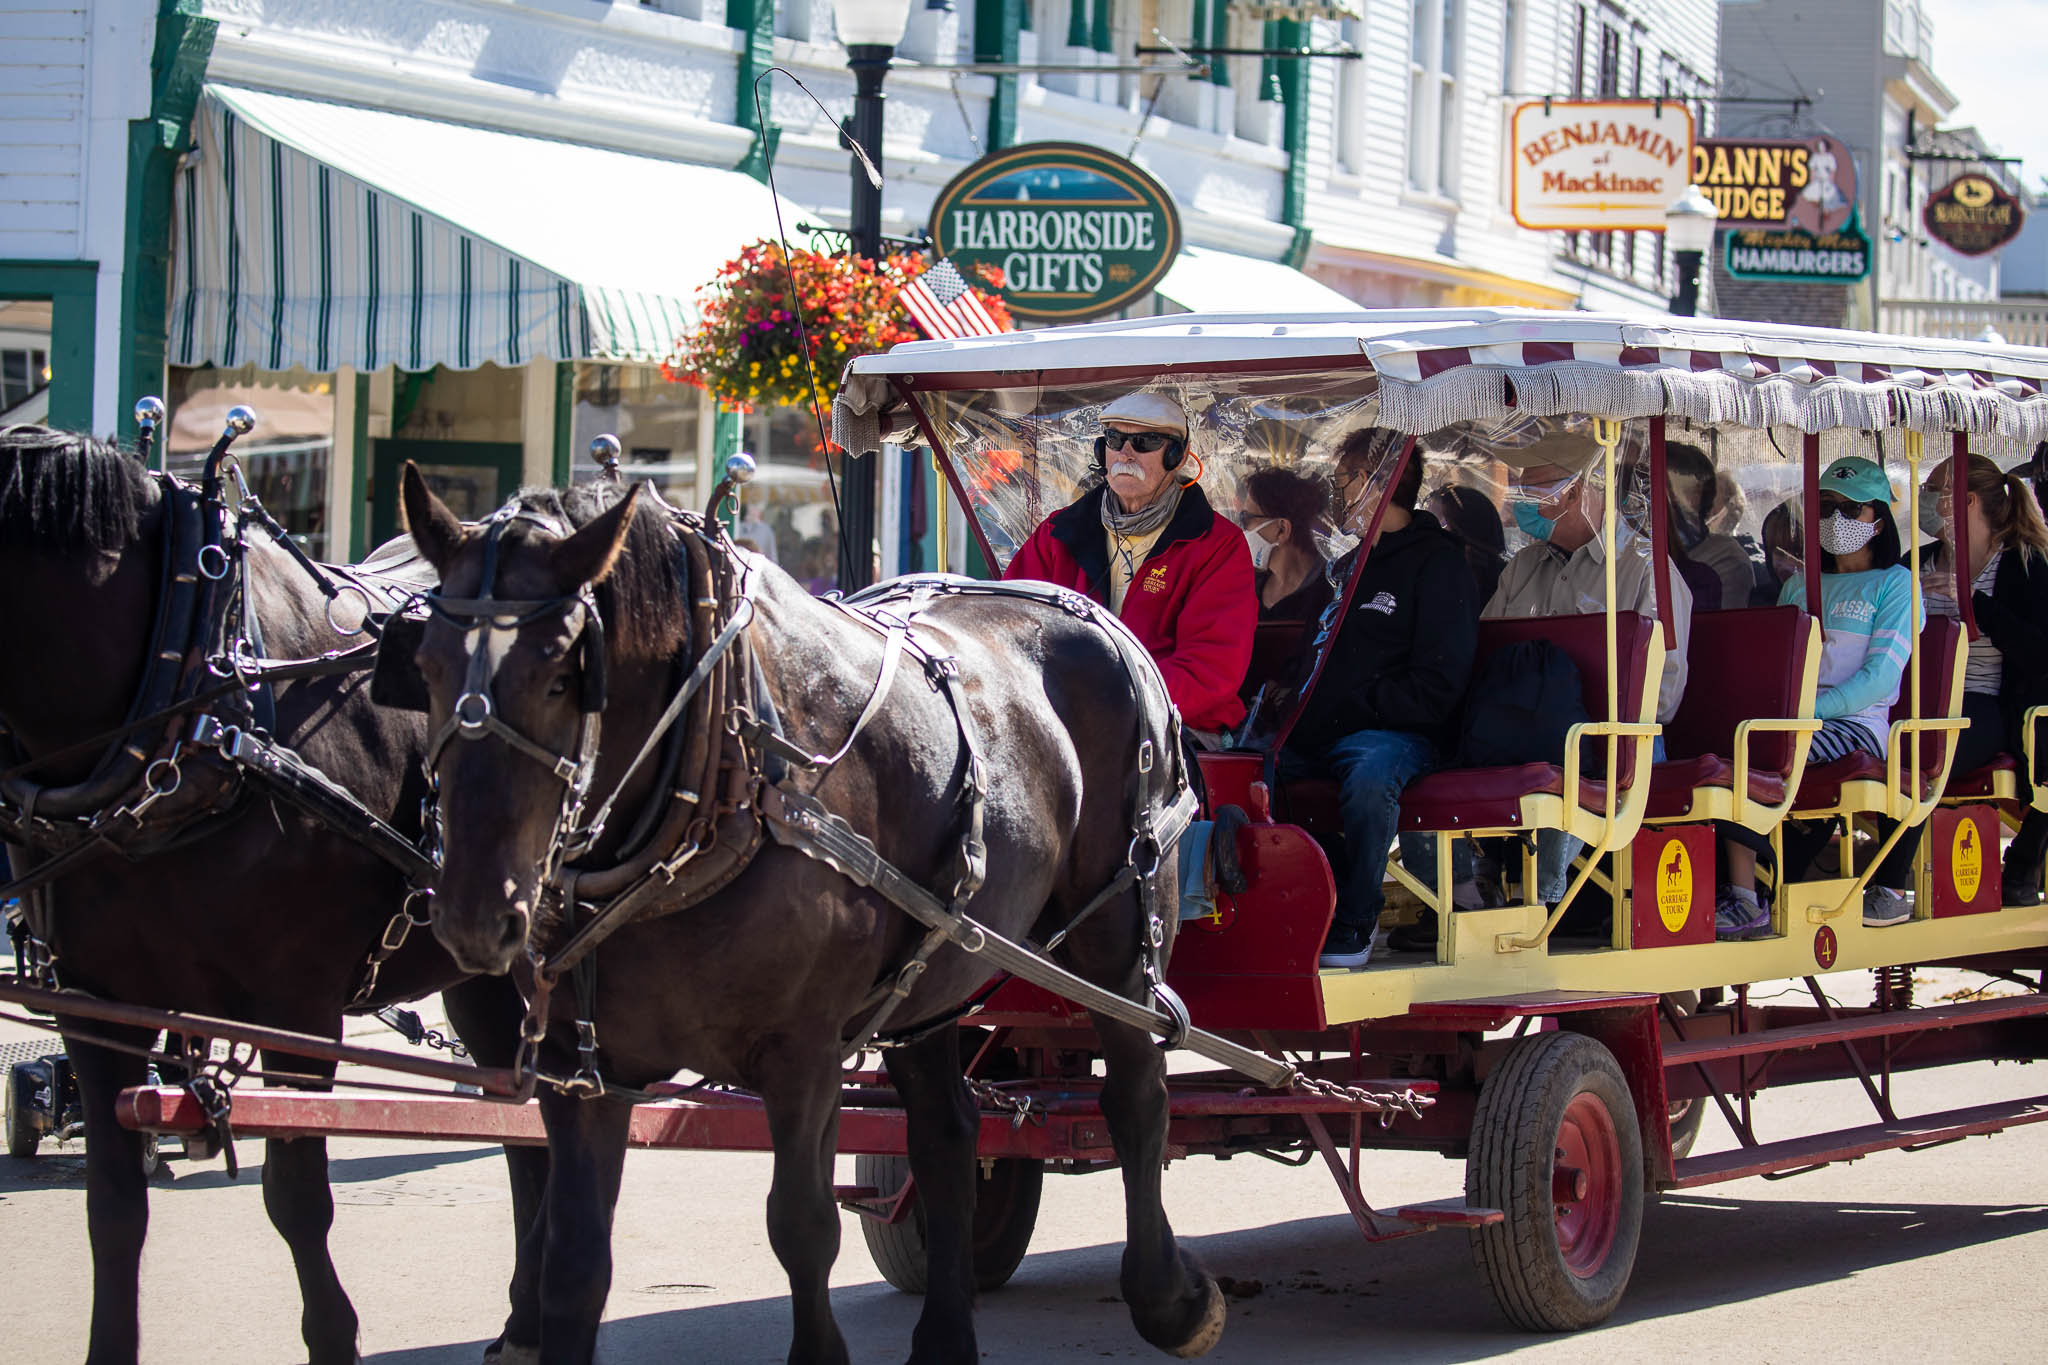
1689,233
870,29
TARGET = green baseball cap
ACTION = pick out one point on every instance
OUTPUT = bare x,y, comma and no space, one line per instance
1857,479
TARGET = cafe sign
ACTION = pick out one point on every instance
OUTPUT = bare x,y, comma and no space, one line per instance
1076,231
1599,165
1806,183
1973,214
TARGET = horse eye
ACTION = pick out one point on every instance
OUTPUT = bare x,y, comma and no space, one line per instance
560,686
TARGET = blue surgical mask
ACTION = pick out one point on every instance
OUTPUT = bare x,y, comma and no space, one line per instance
1531,520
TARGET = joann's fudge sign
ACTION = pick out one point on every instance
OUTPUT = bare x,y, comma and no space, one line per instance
1076,231
1600,165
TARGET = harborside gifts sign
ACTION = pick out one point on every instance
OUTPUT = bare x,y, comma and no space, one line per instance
1599,165
1076,231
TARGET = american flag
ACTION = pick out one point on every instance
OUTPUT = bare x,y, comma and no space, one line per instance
944,306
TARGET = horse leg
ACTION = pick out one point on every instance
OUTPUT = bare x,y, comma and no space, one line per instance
116,1192
802,1107
586,1156
943,1126
1174,1304
300,1202
485,1012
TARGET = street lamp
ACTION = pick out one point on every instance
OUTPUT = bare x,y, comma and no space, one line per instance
1689,233
870,29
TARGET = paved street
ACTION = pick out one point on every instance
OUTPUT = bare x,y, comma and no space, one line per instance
1899,1257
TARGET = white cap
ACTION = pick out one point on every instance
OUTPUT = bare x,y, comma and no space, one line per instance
1148,412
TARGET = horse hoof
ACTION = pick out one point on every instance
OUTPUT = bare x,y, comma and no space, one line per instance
505,1353
1209,1331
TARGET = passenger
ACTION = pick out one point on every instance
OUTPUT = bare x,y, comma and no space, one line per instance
1470,516
1281,511
1784,552
2007,669
1382,713
1145,542
1558,502
1695,489
1866,597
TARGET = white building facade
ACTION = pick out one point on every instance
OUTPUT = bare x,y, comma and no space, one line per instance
249,189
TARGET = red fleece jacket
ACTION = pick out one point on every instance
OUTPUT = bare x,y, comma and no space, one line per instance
1192,603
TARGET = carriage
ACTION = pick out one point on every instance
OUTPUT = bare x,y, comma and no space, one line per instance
1566,1051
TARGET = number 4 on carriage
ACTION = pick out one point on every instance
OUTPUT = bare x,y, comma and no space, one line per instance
1719,717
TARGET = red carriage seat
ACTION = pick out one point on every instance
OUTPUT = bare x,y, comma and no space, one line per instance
1864,782
1505,798
1748,699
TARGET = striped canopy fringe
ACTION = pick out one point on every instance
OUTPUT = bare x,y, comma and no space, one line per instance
282,261
1810,401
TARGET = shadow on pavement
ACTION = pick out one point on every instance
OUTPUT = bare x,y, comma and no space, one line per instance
1322,1294
66,1166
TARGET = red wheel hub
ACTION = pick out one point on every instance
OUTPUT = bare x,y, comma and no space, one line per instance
1588,1207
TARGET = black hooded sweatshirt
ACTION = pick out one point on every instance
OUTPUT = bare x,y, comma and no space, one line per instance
1403,655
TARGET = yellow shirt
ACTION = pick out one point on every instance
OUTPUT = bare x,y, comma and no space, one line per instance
1126,553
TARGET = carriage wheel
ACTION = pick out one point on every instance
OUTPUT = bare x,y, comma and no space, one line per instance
1005,1211
1685,1116
1555,1146
21,1134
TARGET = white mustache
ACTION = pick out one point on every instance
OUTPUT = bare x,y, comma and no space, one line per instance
1128,468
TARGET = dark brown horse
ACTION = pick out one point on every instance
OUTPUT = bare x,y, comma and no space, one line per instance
259,914
760,984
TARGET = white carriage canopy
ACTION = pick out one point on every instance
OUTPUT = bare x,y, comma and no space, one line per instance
1437,367
318,235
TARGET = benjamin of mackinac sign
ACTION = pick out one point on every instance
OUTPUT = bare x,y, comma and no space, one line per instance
1076,231
1599,164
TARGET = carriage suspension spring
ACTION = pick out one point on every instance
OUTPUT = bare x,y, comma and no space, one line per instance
1894,988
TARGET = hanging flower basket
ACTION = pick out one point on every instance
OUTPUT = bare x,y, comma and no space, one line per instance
747,350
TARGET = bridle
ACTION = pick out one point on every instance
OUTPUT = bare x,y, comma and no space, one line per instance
475,714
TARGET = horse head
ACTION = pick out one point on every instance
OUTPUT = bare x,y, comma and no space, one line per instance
513,660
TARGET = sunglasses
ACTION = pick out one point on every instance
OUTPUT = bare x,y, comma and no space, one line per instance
1830,506
1144,442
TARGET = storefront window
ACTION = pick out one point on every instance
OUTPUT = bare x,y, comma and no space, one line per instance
658,424
787,512
285,459
484,404
24,360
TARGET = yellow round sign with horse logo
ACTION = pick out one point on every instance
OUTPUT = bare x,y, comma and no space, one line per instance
1674,885
1966,859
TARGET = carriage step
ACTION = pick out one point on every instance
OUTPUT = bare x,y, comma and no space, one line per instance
1822,1032
1449,1213
1799,1154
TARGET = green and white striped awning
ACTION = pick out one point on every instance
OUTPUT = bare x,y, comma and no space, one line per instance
320,235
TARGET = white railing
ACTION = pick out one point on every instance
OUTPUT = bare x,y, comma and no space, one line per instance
2019,324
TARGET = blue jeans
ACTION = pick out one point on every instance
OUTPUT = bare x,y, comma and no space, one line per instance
1370,767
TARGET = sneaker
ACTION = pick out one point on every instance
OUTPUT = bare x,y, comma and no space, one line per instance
1346,947
1884,907
1738,916
1419,937
2021,886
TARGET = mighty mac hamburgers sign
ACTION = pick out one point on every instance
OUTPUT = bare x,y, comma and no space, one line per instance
1076,231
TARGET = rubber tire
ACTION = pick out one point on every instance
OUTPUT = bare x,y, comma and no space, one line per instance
1005,1212
1515,1131
22,1141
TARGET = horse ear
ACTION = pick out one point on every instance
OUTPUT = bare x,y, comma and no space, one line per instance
435,530
588,556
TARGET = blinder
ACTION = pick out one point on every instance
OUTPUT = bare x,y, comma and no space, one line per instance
397,681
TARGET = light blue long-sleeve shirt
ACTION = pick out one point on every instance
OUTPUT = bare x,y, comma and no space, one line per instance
1868,618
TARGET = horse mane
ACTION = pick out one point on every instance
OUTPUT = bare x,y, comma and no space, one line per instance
61,492
645,599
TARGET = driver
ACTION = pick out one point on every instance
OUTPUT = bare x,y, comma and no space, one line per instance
1145,542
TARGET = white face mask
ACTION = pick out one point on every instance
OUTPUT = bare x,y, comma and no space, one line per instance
1261,548
1843,535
